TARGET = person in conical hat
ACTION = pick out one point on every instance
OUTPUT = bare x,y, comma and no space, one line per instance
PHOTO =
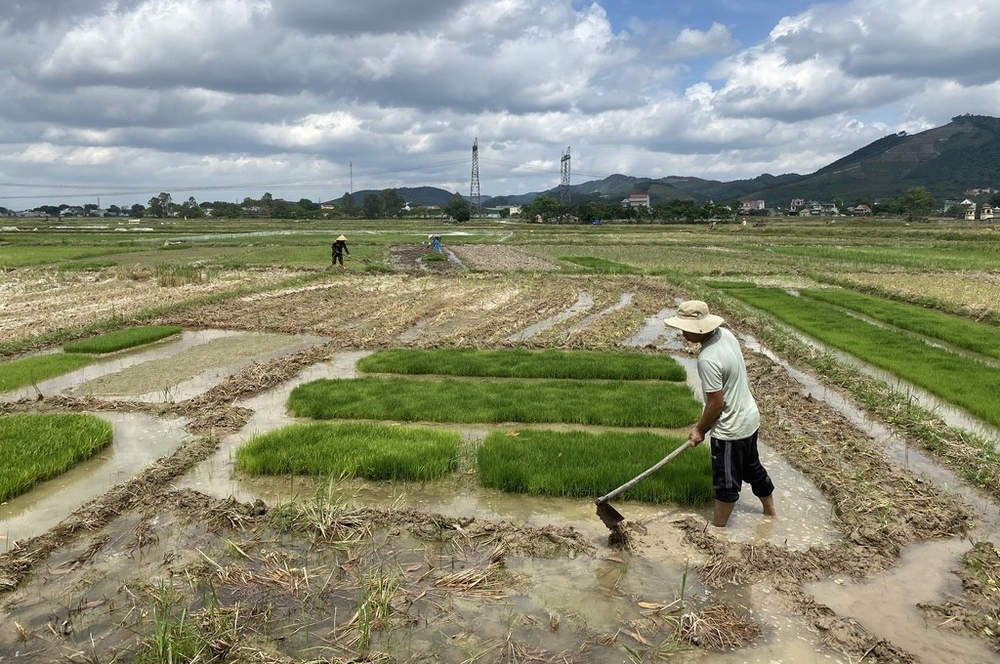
338,249
730,411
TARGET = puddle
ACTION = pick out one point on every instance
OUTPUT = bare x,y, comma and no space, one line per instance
139,440
924,573
584,301
624,301
654,333
190,370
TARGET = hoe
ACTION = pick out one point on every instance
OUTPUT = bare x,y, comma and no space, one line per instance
611,517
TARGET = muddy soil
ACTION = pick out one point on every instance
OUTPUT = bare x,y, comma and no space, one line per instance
476,301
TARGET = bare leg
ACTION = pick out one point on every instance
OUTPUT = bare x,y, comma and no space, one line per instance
768,505
720,515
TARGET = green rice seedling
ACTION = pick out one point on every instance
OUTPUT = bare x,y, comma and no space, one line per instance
377,591
954,330
175,637
39,446
434,258
31,370
123,339
602,403
369,451
953,377
579,464
523,363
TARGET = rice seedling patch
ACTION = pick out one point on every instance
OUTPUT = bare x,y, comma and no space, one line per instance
370,451
32,370
122,339
954,378
577,464
39,446
601,403
954,330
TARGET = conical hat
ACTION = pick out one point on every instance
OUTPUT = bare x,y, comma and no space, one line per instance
342,238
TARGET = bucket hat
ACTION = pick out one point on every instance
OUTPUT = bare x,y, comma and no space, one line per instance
693,316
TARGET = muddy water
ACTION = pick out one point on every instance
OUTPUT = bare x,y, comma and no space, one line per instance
131,373
138,441
192,370
584,301
602,592
924,574
598,593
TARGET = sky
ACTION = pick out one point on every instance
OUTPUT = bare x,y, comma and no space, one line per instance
113,101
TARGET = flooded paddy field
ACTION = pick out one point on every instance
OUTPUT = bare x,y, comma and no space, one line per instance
861,564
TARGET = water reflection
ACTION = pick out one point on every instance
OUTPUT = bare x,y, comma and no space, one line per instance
139,440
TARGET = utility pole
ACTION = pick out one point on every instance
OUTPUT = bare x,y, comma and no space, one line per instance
475,197
564,178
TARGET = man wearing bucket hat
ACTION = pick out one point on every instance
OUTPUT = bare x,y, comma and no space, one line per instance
339,248
730,411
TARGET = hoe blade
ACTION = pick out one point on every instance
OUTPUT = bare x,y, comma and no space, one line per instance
611,517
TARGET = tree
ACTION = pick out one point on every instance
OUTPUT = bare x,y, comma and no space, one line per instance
458,208
373,206
160,205
543,206
393,202
347,204
917,202
190,209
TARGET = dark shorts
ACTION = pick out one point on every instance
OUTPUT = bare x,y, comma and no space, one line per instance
735,462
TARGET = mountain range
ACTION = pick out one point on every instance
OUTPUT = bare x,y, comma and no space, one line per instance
947,161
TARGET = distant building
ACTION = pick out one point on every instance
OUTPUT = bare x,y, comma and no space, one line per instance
985,211
970,210
796,204
636,200
749,206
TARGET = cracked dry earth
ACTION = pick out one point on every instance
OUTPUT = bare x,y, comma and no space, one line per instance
478,301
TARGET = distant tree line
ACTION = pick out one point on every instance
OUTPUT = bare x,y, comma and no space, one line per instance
916,202
547,209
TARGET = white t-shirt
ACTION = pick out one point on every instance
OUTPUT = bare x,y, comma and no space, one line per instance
721,367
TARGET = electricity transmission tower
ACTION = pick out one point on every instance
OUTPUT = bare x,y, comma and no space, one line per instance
564,177
475,198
